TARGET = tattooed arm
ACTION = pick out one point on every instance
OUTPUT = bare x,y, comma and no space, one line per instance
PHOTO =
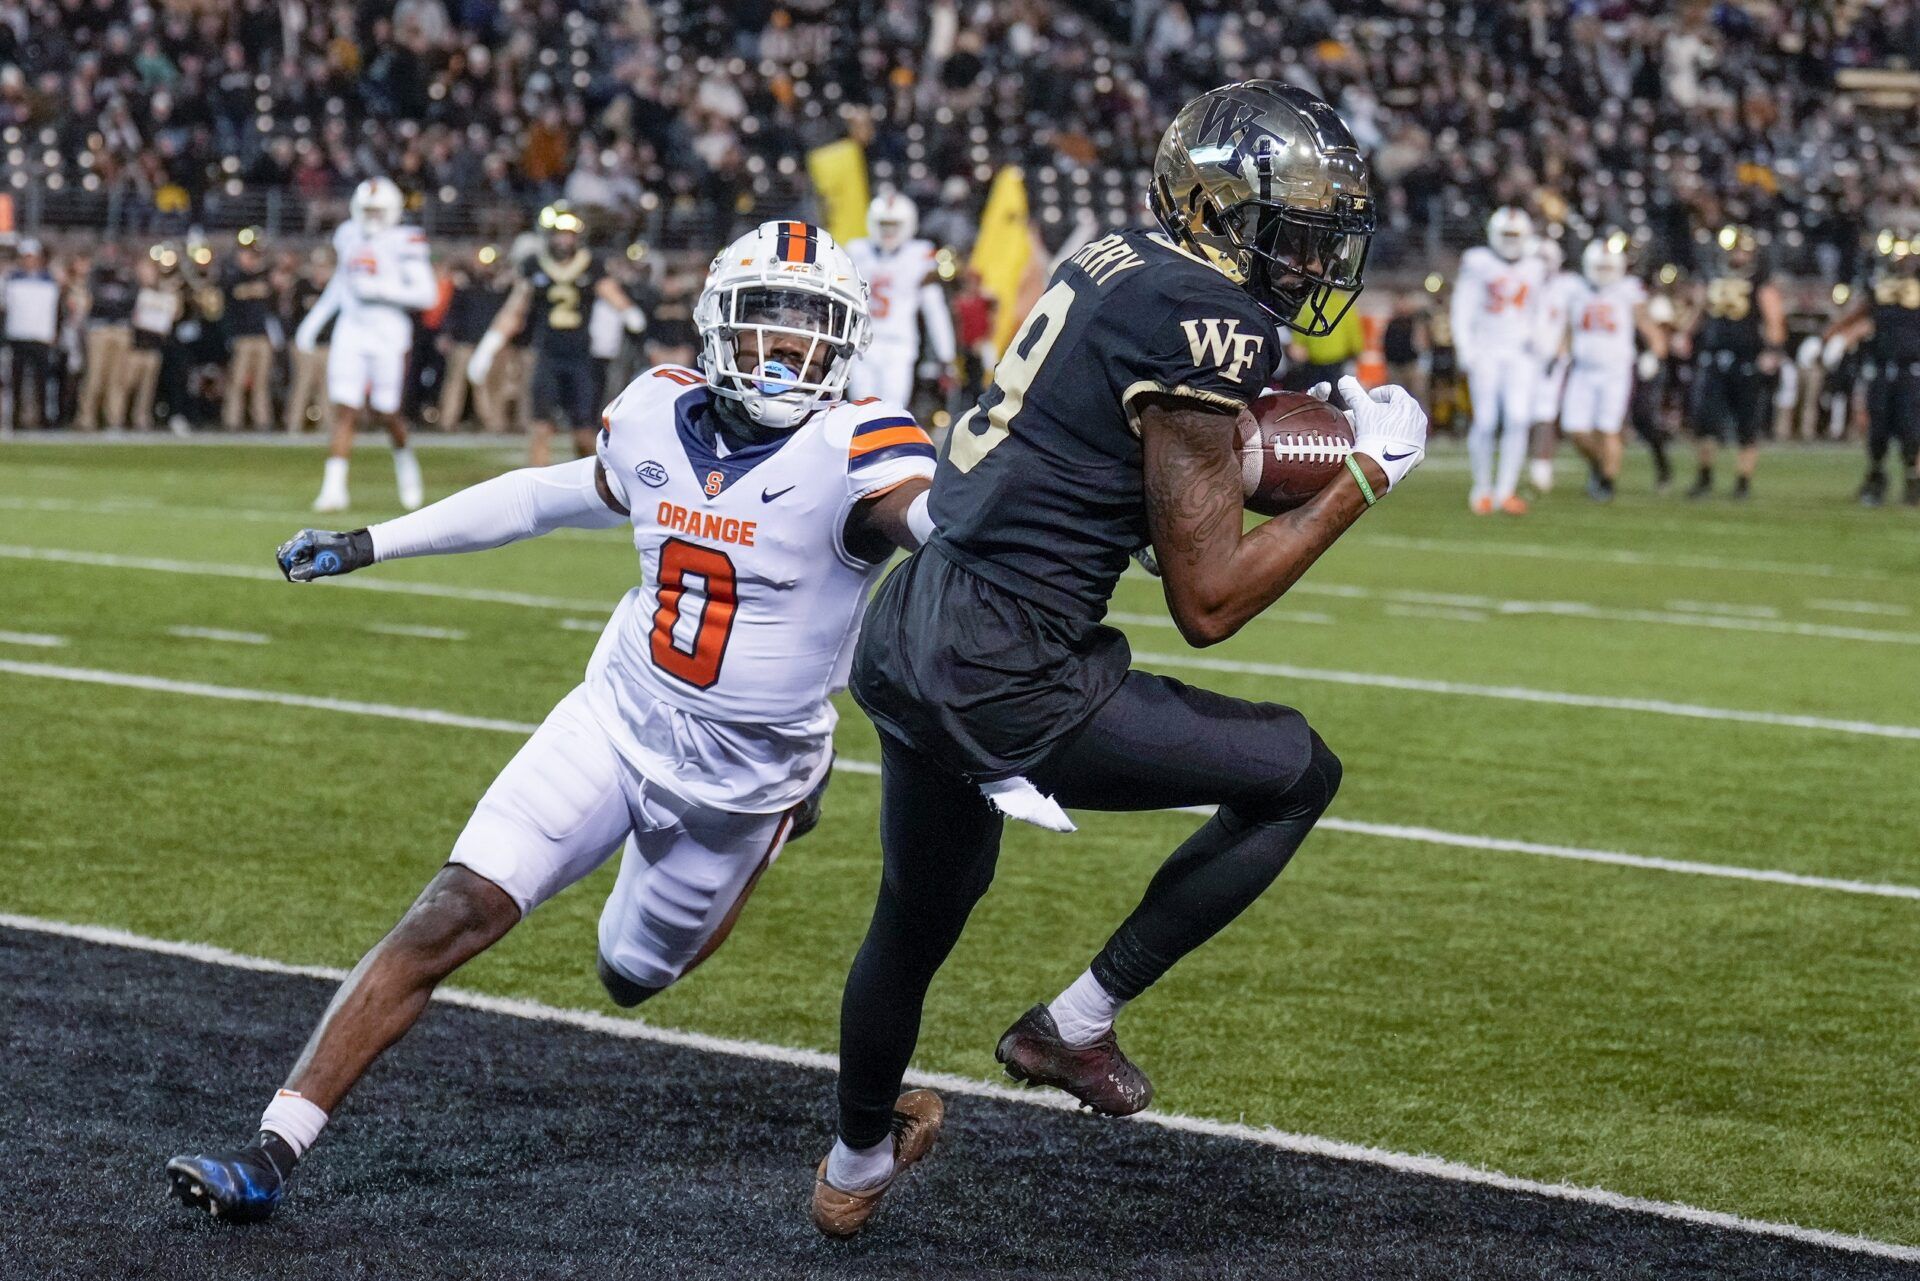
1216,576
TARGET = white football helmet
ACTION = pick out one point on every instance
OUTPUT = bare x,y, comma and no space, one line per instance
377,205
1548,251
1510,232
1602,265
891,220
782,285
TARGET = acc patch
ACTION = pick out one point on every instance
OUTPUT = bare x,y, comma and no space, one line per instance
650,473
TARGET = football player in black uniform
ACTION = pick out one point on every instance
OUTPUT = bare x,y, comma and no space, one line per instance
984,662
555,294
1738,348
1889,320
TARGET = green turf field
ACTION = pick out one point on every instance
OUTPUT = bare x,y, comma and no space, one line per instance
1742,1045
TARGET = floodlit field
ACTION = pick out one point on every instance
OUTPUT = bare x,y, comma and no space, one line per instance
1529,941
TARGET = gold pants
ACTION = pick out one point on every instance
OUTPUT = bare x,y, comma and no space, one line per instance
139,378
106,350
250,369
309,389
455,387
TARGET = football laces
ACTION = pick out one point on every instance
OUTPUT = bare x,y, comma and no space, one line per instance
1312,447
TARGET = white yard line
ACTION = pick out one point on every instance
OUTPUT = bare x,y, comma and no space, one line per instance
1524,694
266,573
1440,613
1423,835
1723,608
1567,609
1861,607
632,1029
220,634
583,624
421,633
1592,556
39,640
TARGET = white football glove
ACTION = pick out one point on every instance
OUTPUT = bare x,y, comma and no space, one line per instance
1833,352
1808,354
481,362
1388,426
1647,366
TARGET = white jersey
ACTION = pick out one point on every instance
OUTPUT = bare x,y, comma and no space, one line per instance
1554,313
1494,303
714,675
378,278
1603,328
896,283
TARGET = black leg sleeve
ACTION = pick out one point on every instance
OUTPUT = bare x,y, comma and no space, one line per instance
1881,422
939,839
1159,744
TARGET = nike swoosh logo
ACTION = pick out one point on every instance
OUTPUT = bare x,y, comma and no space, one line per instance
766,497
1394,458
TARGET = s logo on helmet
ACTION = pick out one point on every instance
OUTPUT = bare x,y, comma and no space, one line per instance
715,480
651,473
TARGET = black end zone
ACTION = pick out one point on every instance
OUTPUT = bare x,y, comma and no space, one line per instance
487,1146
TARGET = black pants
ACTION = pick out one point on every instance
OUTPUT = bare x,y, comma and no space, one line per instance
31,363
1893,414
1728,402
1155,744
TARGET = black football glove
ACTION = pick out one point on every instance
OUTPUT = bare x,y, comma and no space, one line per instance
322,553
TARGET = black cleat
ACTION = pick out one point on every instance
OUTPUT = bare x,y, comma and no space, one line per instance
240,1186
1910,496
1100,1075
1742,490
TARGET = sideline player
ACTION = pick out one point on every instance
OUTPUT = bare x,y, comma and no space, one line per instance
996,689
1889,322
381,275
899,268
1550,345
1493,314
763,506
555,294
1740,344
1608,307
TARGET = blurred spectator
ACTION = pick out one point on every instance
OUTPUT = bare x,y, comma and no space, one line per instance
156,309
248,290
108,326
31,299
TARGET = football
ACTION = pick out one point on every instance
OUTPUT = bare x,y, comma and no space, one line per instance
1291,447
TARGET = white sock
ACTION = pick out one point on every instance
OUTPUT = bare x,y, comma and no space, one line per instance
406,468
1540,472
335,477
857,1169
294,1119
1085,1011
1513,456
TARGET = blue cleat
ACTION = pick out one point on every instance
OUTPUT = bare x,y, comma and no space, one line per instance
240,1186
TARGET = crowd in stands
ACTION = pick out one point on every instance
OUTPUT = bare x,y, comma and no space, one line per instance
689,116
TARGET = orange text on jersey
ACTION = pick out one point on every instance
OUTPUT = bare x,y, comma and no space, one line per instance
724,529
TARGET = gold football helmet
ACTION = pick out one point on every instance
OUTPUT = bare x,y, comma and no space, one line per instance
1263,180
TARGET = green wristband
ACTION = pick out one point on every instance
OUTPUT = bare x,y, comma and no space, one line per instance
1360,477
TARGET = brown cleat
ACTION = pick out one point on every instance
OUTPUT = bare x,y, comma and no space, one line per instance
1100,1075
916,1126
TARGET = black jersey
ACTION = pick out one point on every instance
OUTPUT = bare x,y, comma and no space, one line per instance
248,300
562,300
1896,320
1039,489
1731,318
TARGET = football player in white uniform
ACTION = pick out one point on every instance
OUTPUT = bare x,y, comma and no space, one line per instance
381,275
1550,343
899,270
764,506
1492,314
1607,309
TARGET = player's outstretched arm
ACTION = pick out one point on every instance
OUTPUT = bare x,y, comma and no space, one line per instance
896,518
506,323
521,504
1216,574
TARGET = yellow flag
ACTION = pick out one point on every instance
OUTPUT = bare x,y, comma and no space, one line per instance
839,173
1002,251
